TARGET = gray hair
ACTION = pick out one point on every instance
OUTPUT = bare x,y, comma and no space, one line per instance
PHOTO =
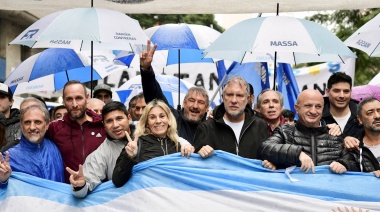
44,111
239,80
363,102
32,99
280,96
198,90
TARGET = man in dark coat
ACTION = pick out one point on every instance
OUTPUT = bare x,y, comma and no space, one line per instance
234,128
307,143
195,103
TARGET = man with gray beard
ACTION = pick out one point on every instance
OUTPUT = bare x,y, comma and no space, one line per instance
34,155
195,103
234,128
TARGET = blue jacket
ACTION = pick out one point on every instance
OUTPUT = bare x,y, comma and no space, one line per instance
41,160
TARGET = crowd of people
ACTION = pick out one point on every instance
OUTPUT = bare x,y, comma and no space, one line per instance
87,141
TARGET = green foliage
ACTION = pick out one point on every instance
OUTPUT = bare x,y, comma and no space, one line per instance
150,20
345,23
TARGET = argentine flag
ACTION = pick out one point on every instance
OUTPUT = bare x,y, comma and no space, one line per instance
223,182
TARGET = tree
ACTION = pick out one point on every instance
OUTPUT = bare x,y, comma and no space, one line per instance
345,23
150,20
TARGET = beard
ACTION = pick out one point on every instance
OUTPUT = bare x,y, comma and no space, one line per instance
78,116
235,114
190,119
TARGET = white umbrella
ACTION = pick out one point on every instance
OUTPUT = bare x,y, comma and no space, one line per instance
367,38
278,38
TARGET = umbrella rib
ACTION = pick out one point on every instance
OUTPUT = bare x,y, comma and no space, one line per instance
341,59
81,45
374,49
241,62
294,58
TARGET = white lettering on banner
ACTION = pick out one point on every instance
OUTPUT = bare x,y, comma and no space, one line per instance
65,42
283,43
363,43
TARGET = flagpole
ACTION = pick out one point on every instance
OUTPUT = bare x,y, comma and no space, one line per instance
275,59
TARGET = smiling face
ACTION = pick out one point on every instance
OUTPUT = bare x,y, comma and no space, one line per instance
34,125
116,123
339,95
195,106
158,122
270,107
309,108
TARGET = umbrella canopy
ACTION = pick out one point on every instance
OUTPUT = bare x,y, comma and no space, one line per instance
367,38
169,86
52,68
177,44
76,28
365,91
278,38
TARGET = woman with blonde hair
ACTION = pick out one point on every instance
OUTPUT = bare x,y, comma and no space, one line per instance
155,135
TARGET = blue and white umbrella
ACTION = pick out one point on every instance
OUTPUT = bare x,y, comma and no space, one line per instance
52,68
179,47
76,28
169,86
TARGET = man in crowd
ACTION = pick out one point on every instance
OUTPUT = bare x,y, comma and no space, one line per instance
59,112
12,115
307,143
35,155
80,132
103,92
288,116
95,105
234,128
369,117
99,165
136,106
339,108
195,103
269,104
251,98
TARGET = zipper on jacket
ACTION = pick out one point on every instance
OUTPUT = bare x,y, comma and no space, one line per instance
162,146
313,150
83,158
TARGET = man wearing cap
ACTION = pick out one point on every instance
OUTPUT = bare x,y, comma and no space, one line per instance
12,115
103,92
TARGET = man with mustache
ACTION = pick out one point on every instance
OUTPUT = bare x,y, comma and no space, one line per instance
195,104
81,130
234,127
368,151
307,143
34,155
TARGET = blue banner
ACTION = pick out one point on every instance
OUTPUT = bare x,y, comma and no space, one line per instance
223,182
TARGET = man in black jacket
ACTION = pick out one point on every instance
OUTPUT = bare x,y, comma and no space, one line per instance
339,108
369,148
233,128
307,143
195,103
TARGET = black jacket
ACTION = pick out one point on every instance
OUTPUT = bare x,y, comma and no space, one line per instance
13,128
217,134
149,147
152,90
369,162
287,141
352,128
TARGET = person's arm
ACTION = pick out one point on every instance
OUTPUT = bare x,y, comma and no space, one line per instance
125,162
5,170
78,182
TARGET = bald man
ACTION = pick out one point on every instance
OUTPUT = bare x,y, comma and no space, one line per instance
307,143
95,105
